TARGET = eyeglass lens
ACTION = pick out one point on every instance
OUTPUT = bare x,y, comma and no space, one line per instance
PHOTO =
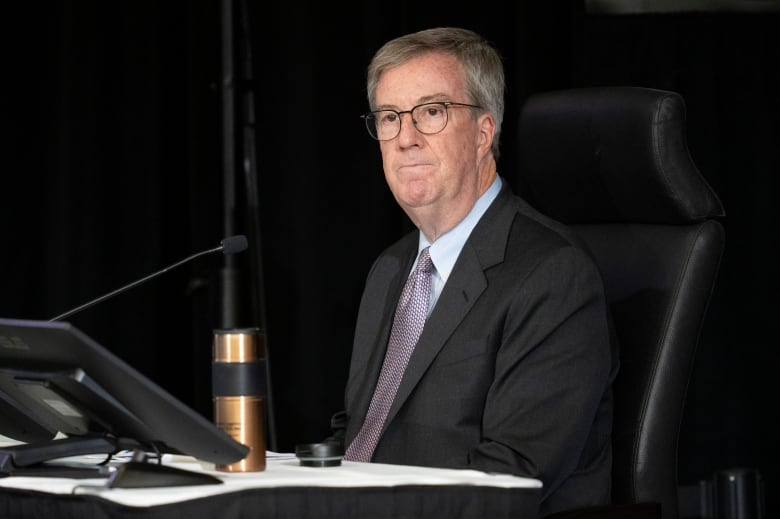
428,118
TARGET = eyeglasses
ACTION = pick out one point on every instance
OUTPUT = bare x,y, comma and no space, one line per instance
428,118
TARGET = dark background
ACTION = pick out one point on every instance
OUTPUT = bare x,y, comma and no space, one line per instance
112,167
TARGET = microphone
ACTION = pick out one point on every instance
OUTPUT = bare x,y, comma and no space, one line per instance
229,245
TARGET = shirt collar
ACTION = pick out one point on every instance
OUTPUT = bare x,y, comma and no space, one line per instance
446,249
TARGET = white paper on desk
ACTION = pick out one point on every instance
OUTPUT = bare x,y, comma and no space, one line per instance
281,470
271,455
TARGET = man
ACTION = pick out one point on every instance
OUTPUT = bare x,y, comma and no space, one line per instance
513,368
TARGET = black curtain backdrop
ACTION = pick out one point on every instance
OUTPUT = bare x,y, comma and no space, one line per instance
112,169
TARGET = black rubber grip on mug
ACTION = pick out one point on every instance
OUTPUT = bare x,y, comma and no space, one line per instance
238,378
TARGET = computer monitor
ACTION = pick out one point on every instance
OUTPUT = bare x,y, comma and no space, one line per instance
55,381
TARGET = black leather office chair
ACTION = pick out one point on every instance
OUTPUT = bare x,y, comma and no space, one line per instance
613,163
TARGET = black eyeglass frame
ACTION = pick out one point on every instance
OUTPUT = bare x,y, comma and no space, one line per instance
446,104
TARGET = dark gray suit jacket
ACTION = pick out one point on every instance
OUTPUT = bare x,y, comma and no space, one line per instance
513,370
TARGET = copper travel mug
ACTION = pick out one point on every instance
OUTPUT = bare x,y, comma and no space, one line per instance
238,386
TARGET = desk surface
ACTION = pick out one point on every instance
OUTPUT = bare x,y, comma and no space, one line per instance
284,489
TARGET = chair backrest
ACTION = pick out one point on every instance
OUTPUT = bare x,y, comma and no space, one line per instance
613,162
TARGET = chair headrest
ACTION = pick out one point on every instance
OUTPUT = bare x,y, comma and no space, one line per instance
612,154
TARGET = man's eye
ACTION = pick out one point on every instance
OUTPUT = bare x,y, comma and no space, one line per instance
389,117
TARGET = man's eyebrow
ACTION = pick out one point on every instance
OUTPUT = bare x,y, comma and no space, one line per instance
420,101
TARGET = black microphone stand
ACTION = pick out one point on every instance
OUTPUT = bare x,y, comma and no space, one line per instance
246,126
228,303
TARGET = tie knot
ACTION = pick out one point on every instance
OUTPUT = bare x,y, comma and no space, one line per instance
424,263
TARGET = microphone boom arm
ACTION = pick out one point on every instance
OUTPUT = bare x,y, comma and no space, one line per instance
228,245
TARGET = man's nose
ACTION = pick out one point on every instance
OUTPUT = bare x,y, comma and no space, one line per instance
409,132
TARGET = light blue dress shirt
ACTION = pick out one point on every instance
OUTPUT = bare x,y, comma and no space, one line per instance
446,249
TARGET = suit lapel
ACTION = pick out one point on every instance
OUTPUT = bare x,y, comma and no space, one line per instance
462,290
484,249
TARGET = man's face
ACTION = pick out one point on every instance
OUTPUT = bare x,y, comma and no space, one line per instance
431,174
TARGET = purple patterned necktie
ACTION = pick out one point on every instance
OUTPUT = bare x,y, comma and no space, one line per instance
408,323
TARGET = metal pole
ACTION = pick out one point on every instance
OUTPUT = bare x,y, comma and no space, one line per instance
252,189
228,304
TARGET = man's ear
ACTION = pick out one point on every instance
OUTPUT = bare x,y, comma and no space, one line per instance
487,132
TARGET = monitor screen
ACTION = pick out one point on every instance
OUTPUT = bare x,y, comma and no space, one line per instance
55,379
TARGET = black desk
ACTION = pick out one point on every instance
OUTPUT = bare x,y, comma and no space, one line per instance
284,490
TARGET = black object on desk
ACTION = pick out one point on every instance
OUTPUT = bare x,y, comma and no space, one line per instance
55,379
35,459
324,454
141,473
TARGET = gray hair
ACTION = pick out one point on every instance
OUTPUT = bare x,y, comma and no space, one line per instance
481,63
